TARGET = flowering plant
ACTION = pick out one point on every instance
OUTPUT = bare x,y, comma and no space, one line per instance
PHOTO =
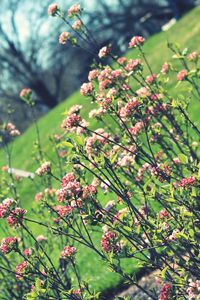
141,154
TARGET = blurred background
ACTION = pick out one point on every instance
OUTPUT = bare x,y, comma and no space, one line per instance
30,55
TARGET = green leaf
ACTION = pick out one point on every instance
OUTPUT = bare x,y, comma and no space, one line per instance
183,158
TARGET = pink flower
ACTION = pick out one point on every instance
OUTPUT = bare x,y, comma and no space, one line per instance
63,211
38,196
151,78
68,252
136,41
74,10
86,89
103,52
186,182
108,242
165,68
5,207
52,9
121,60
132,65
64,36
143,92
16,216
44,168
8,244
27,252
93,74
20,270
165,292
176,161
25,93
182,75
77,25
193,56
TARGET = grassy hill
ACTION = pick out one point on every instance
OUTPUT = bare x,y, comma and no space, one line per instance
187,33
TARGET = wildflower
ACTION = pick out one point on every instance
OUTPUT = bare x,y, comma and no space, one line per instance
164,214
103,52
63,211
20,270
27,252
121,60
5,207
64,36
165,68
86,89
136,41
186,182
143,92
108,242
151,78
8,244
52,9
182,75
133,65
16,216
193,56
74,10
25,93
165,292
77,25
194,289
176,161
68,252
44,168
93,74
38,196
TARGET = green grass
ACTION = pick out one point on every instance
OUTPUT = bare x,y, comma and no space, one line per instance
187,33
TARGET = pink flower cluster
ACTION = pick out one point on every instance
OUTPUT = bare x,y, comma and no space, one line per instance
20,270
136,41
193,56
129,108
63,211
5,207
44,168
74,10
16,216
86,89
11,129
8,244
194,290
52,9
109,243
88,191
135,130
151,78
133,65
77,25
165,292
70,187
103,52
182,75
64,37
25,93
96,139
68,251
186,182
165,68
